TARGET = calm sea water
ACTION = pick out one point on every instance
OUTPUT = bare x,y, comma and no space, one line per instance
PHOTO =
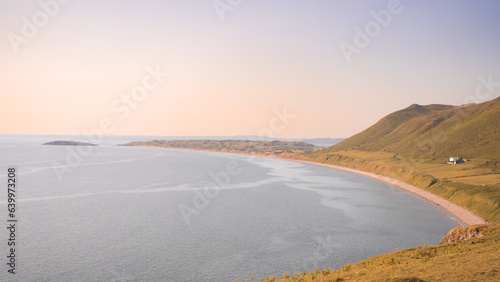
145,214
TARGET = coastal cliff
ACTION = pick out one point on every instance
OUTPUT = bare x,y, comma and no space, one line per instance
464,233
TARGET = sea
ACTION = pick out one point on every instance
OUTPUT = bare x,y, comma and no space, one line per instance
117,213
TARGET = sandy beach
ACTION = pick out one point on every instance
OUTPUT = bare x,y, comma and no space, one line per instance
461,213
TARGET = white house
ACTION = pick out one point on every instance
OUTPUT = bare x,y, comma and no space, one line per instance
457,160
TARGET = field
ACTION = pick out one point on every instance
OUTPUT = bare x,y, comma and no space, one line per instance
475,172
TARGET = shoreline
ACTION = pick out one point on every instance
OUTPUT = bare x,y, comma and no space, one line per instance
459,212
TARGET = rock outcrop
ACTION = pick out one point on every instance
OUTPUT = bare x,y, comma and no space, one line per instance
463,233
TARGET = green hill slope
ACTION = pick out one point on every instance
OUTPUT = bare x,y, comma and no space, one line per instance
434,131
413,145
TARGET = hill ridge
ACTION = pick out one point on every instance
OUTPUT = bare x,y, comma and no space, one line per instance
444,129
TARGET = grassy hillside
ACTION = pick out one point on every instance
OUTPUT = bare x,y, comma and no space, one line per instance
412,144
434,131
477,258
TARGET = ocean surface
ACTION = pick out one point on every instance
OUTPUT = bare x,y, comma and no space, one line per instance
113,213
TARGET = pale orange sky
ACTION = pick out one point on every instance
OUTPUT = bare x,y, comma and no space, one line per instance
228,76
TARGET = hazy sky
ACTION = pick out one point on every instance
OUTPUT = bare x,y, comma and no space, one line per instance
234,65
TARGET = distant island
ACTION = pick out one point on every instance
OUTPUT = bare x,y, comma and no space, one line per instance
69,143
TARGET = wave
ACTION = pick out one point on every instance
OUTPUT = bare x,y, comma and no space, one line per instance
56,165
184,187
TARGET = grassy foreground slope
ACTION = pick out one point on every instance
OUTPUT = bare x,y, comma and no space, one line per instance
413,144
435,131
477,258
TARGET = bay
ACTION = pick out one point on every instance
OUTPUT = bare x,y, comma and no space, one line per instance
115,213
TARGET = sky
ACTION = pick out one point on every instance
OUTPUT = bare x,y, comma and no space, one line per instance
281,68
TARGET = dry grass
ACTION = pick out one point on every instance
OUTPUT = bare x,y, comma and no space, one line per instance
487,179
475,259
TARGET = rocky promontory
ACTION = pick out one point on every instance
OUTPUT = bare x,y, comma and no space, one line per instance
464,233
